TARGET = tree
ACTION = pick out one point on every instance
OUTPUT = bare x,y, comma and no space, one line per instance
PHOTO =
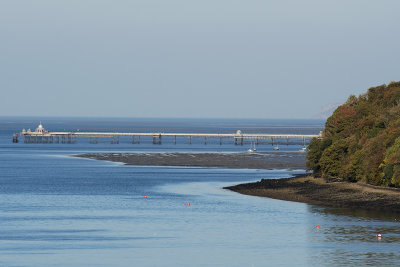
361,139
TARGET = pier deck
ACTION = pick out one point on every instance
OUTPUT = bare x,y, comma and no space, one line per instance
43,136
40,135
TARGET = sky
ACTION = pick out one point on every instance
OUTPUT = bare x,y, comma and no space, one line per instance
193,59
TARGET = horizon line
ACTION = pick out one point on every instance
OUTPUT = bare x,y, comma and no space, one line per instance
151,118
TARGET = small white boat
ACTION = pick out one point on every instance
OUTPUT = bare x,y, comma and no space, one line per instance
251,150
303,149
276,147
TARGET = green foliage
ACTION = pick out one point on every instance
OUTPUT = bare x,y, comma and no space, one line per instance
356,167
391,164
314,155
331,160
361,139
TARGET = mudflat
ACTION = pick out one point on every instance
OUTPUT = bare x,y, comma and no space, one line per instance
275,160
331,193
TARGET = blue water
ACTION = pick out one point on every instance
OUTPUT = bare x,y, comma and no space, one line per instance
66,211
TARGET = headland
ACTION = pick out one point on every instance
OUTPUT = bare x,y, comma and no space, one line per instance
325,192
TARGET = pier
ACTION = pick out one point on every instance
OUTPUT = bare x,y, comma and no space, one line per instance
42,136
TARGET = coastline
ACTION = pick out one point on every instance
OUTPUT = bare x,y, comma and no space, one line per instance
301,188
319,191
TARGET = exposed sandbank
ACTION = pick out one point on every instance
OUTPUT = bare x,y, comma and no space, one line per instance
275,160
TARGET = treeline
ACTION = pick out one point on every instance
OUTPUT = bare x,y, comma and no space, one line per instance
361,140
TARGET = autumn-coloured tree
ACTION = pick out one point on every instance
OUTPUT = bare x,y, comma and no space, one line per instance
361,139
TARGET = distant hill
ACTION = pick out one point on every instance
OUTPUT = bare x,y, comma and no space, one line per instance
326,111
361,140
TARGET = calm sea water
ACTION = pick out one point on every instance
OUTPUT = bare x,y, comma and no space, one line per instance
66,211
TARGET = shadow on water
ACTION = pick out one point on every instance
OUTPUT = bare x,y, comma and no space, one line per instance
346,237
357,213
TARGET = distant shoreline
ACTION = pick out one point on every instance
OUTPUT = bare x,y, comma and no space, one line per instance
275,160
319,191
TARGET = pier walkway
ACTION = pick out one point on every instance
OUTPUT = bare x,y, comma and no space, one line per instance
40,135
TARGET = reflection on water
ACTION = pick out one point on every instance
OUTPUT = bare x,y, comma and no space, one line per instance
350,257
358,213
350,237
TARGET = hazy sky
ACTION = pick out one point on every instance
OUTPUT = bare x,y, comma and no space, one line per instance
183,58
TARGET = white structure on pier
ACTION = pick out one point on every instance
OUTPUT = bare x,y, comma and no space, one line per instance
40,129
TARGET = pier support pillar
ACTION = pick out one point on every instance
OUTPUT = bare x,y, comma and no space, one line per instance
135,142
114,140
190,140
157,139
239,140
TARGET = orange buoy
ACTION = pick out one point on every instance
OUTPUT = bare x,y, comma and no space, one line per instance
145,196
317,226
188,204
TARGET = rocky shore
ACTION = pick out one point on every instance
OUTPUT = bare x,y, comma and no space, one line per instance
324,192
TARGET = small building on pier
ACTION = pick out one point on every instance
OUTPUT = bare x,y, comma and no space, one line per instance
40,129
